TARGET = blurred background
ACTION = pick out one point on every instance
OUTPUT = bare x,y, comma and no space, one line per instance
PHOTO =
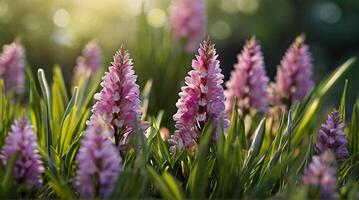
54,32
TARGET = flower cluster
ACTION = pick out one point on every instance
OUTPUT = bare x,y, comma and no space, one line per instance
294,76
200,99
321,174
118,103
12,62
248,81
90,61
187,20
331,136
22,143
99,162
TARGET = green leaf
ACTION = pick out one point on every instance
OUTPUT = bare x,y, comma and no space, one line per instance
328,83
342,107
163,148
46,92
145,98
173,185
35,109
236,130
59,186
289,130
198,178
167,185
8,176
354,130
59,81
65,135
258,138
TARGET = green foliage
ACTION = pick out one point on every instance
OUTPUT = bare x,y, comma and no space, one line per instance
246,161
7,110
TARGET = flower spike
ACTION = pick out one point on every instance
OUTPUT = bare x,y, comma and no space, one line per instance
22,142
248,81
187,20
294,76
90,61
200,99
332,136
99,162
321,174
118,103
12,63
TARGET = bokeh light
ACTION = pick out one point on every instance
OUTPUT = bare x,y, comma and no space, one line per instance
156,18
61,18
228,6
220,30
247,6
329,12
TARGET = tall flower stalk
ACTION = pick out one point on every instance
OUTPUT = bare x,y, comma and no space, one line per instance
201,98
12,63
331,136
248,80
320,174
118,103
89,62
99,162
22,143
294,76
187,21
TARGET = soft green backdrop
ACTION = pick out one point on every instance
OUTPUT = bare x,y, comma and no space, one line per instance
53,32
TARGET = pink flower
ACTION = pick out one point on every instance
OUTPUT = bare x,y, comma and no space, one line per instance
248,81
294,76
22,142
321,174
90,61
187,20
200,99
118,103
12,62
99,162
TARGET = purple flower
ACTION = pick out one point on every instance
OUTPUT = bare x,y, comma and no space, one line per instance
22,142
332,136
294,76
248,81
90,61
99,162
321,174
187,20
118,103
200,99
12,62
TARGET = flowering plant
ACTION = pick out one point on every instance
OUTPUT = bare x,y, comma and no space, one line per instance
246,138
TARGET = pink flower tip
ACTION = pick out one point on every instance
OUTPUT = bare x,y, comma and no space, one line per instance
90,61
294,76
12,63
187,21
248,81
